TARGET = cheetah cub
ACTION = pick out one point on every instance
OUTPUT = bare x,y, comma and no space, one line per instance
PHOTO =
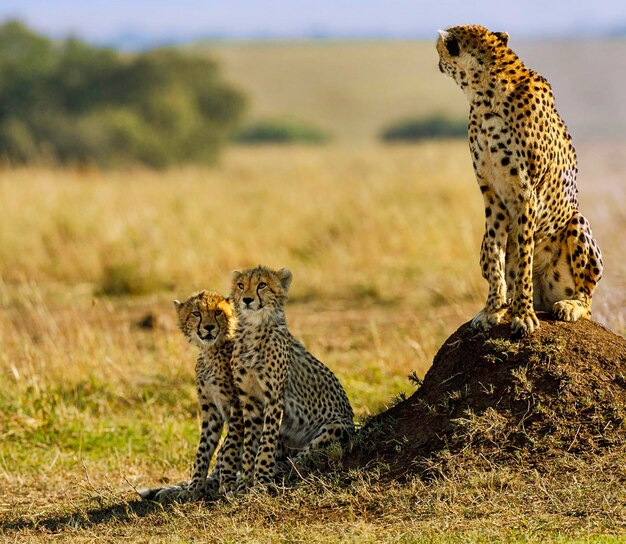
538,251
286,395
206,319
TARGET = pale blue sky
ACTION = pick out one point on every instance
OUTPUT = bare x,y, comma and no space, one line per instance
98,20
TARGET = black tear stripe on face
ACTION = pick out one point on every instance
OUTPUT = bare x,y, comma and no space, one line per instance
259,296
452,45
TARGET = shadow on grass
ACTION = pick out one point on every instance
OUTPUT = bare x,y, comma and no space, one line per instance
123,511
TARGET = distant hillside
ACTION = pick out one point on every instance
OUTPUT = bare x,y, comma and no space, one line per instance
351,88
355,88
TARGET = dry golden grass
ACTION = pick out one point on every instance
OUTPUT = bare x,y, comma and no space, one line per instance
383,243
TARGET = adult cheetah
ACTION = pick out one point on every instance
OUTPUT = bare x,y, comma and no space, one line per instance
538,251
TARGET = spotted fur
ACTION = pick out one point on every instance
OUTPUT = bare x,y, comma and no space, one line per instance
538,251
286,395
207,321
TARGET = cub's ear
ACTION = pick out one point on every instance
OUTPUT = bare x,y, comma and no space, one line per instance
177,304
236,274
285,277
503,37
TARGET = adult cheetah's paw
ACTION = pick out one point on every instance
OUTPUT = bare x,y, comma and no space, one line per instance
525,324
484,320
569,310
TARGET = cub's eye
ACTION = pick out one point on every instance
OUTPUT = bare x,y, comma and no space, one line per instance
240,285
218,312
197,314
262,285
452,45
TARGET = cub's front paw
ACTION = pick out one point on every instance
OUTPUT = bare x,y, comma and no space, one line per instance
524,324
243,486
210,489
265,488
485,319
165,495
228,487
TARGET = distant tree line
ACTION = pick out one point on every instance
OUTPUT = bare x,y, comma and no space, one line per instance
280,131
68,102
434,127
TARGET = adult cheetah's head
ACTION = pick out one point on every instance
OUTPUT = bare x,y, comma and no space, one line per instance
205,318
467,51
258,292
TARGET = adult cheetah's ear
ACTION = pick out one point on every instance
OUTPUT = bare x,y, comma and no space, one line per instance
285,277
503,37
451,43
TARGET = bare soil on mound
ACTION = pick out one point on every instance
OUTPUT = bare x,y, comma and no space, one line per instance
491,399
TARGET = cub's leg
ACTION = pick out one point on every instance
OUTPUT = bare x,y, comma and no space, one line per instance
228,462
253,427
334,431
585,260
265,464
492,260
250,392
212,423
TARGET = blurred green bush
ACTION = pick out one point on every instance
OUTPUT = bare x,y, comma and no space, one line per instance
433,127
280,131
69,102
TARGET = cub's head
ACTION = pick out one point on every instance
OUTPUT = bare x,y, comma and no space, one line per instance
464,51
258,292
205,318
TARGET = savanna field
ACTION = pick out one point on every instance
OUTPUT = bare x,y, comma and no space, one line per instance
96,384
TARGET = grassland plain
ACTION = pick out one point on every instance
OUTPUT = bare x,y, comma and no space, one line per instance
383,243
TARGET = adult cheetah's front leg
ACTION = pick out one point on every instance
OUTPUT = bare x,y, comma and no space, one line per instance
522,210
492,260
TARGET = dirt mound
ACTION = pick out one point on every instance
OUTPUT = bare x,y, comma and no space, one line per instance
560,392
